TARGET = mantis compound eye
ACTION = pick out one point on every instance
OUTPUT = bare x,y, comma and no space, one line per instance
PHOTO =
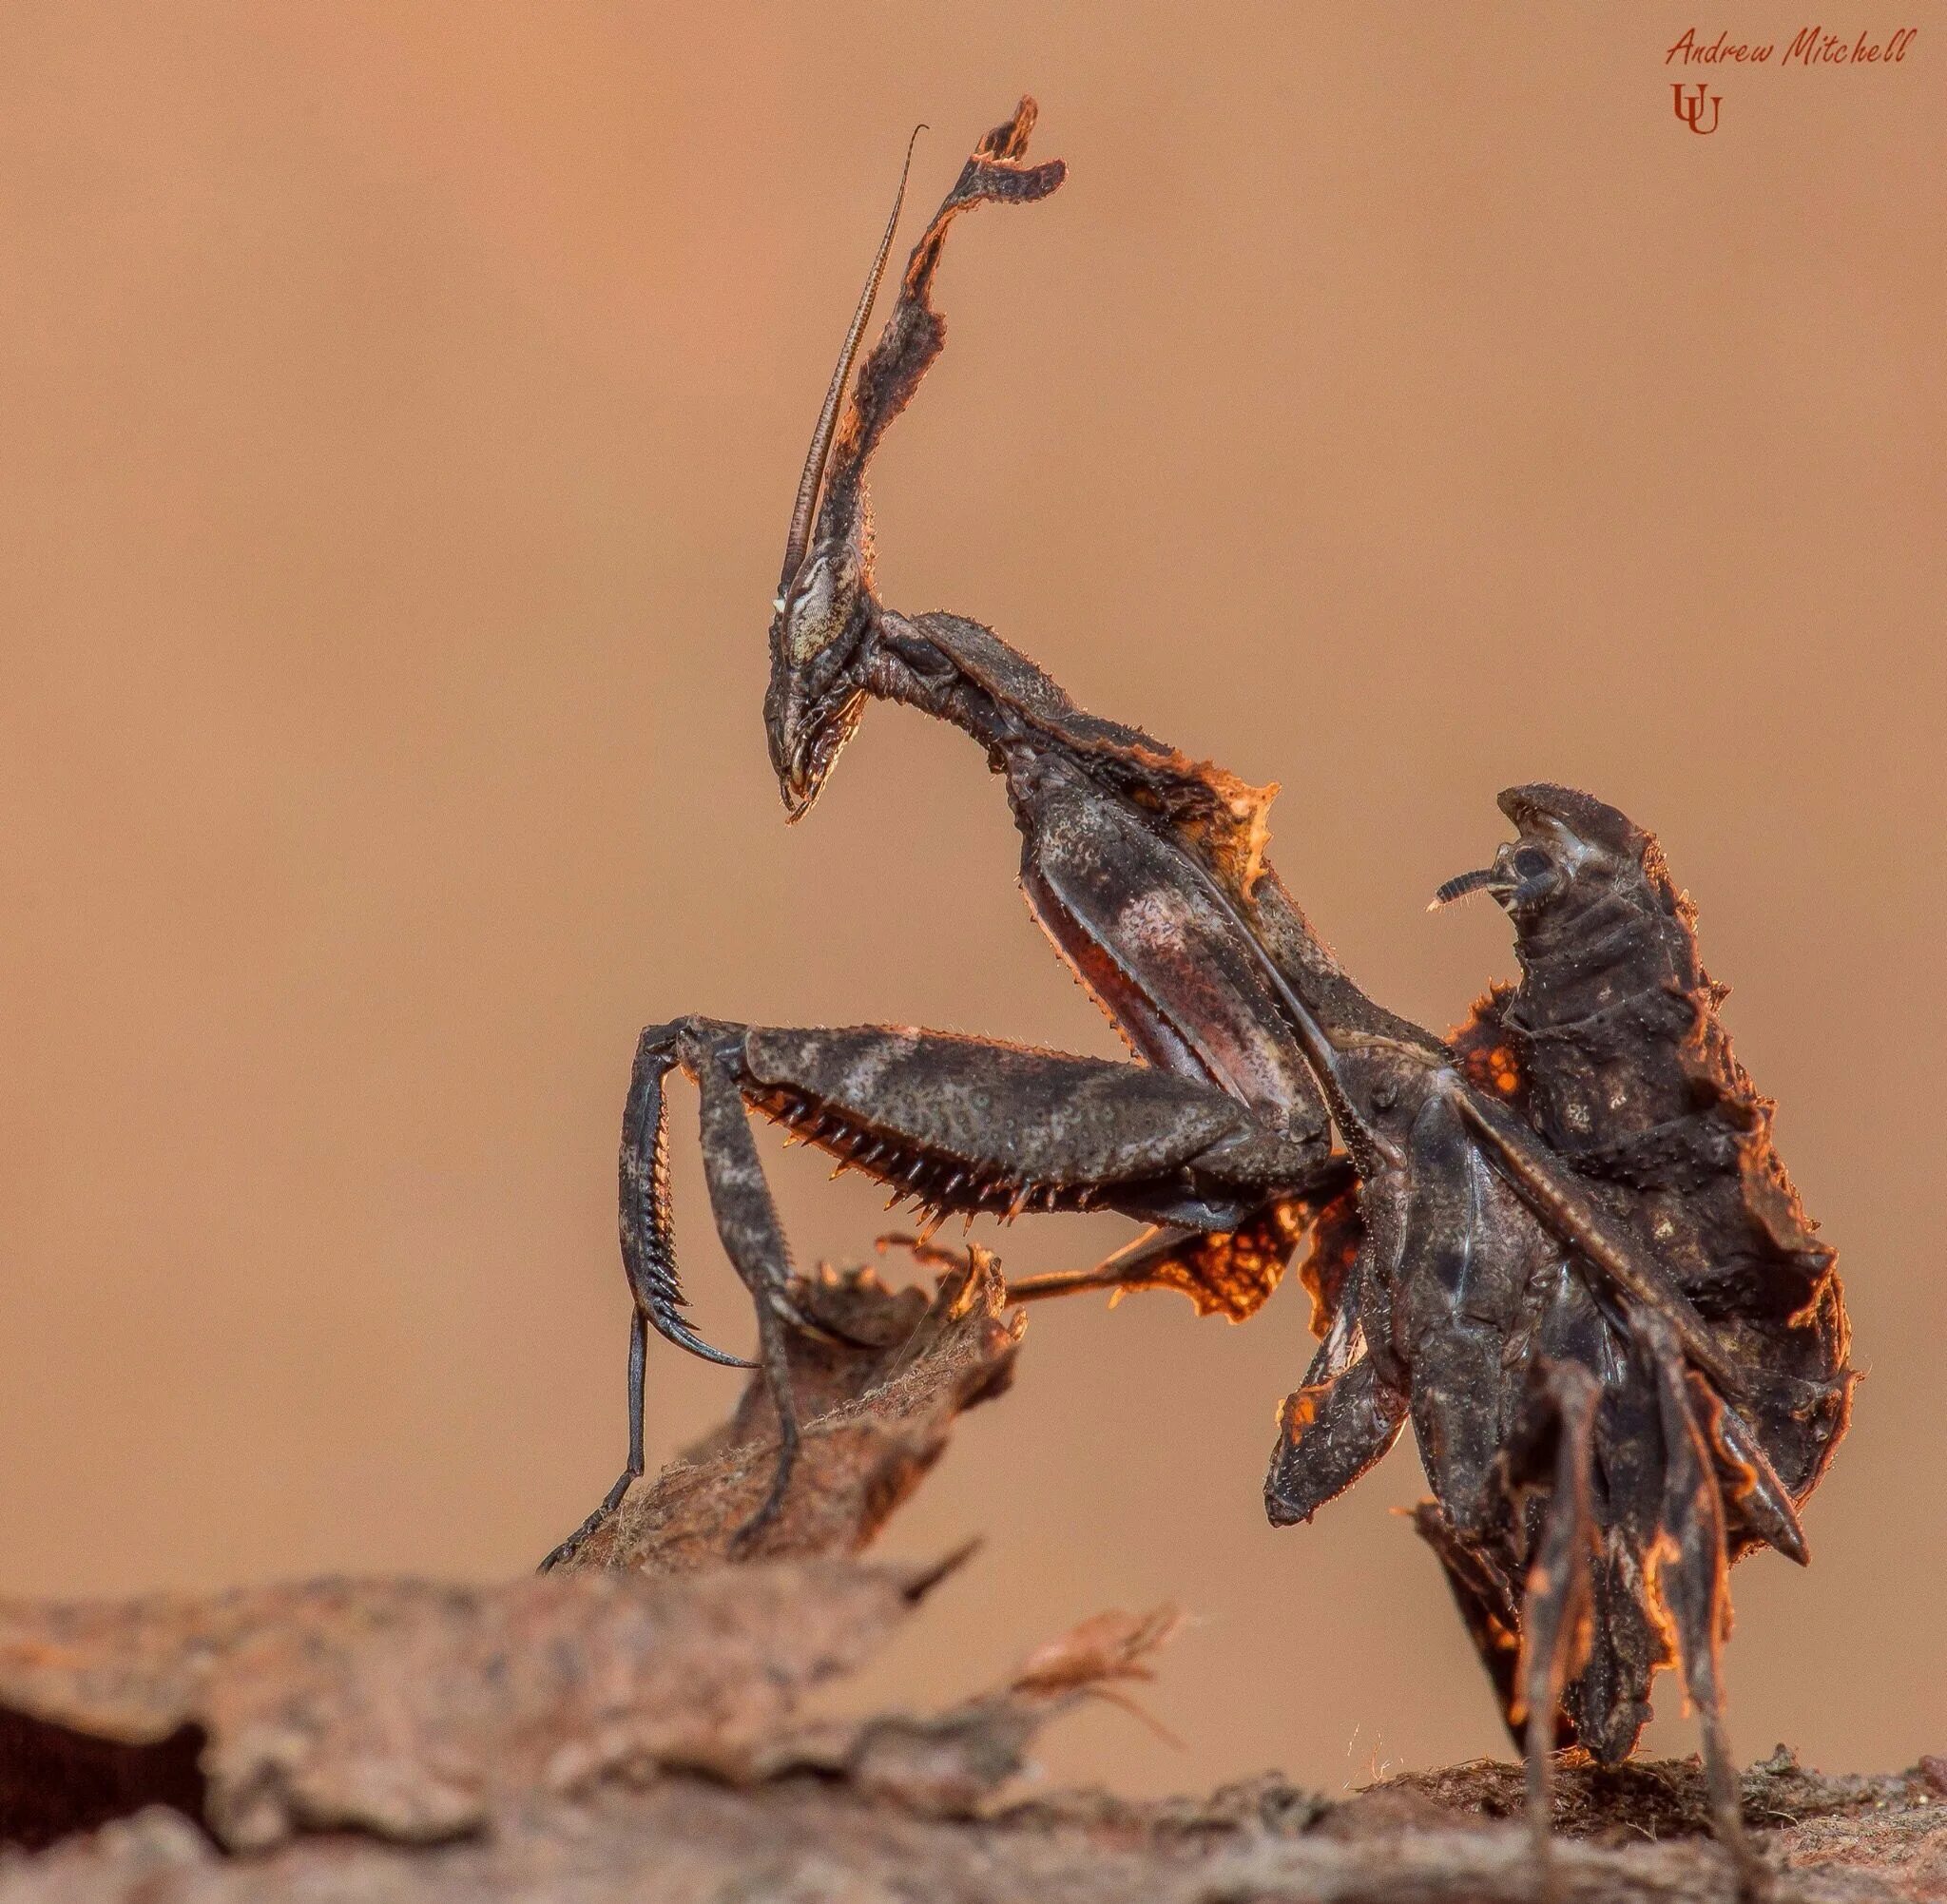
1523,875
1530,880
820,606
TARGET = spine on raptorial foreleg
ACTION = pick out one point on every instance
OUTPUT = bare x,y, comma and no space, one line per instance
648,1244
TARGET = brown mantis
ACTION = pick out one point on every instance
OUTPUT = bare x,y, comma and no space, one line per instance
1561,1247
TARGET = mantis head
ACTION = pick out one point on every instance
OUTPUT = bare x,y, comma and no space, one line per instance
825,620
1572,849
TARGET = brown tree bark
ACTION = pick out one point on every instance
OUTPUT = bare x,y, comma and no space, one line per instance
630,1727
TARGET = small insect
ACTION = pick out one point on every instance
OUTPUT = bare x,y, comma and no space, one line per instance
1607,1405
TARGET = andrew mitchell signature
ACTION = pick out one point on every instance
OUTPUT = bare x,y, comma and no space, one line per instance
1809,48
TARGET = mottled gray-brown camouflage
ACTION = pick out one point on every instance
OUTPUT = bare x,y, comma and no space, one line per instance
1561,1248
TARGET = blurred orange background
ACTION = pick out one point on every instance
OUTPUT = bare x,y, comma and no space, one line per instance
402,406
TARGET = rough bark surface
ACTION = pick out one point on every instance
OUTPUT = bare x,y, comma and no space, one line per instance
857,1833
634,1731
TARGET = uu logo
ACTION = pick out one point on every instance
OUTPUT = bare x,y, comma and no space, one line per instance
1692,110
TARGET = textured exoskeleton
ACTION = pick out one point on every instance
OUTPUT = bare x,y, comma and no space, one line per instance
960,1125
1598,1419
1612,1048
1191,995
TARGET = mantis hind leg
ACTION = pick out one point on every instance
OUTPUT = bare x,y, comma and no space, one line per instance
1552,1448
1526,1603
1690,1571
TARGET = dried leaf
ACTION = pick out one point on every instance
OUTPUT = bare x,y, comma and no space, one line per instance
875,1419
1113,1645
